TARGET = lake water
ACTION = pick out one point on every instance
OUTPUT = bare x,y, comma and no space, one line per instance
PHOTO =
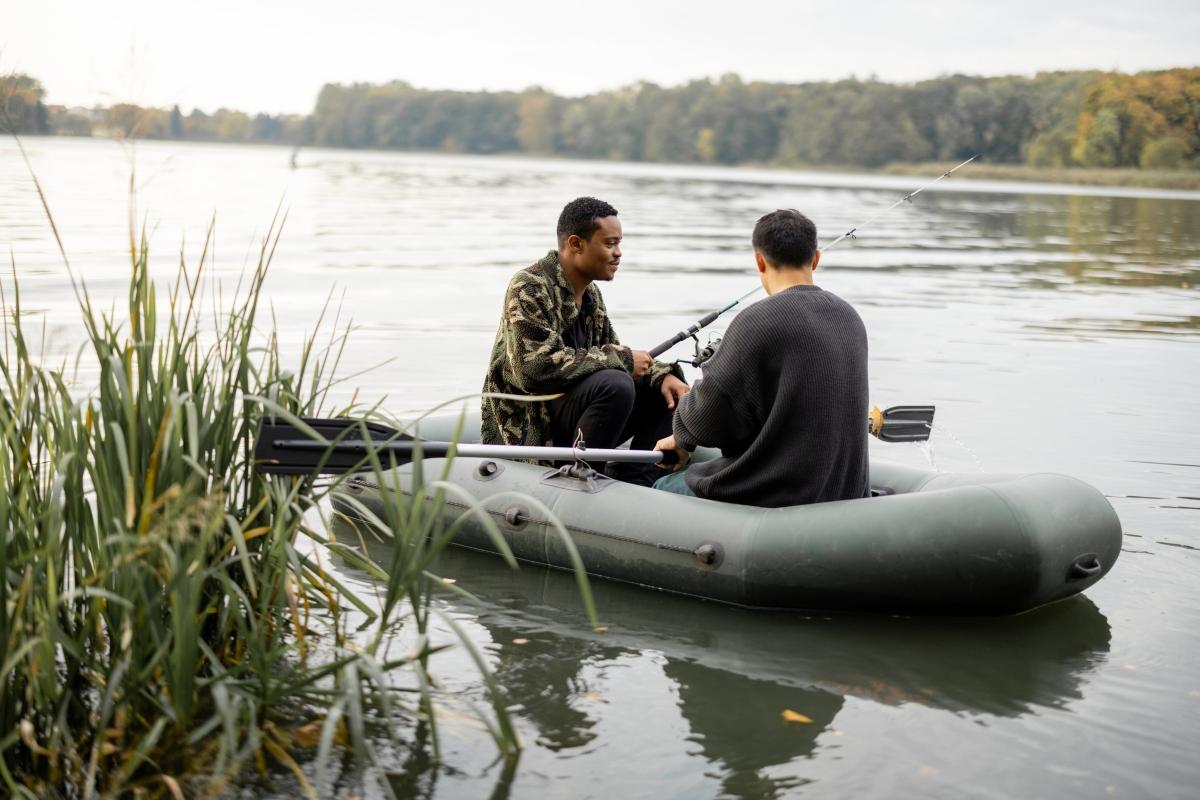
1055,329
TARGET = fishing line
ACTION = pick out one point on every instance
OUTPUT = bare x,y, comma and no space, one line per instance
708,319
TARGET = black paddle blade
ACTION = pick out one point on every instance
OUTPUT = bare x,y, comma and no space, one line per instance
276,451
902,423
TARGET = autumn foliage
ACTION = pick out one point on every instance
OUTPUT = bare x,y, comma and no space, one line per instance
1050,120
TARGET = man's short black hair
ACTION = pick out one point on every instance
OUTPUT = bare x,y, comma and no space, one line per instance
786,238
579,217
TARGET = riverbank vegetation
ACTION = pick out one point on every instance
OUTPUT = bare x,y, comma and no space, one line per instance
168,624
1053,121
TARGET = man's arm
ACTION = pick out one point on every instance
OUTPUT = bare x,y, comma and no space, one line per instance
717,412
708,417
539,358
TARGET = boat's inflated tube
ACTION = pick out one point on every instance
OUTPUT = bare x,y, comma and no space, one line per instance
931,543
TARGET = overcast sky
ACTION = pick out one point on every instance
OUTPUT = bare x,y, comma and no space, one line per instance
268,55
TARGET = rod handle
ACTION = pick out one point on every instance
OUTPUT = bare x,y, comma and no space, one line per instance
691,330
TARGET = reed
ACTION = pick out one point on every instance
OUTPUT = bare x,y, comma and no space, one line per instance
164,626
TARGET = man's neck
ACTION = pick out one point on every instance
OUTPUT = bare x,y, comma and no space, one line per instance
578,282
776,280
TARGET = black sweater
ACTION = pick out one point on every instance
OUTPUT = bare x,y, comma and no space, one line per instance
785,399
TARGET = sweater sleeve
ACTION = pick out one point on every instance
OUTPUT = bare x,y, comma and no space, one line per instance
540,360
708,415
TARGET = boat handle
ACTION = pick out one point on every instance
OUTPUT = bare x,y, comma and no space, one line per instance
1086,566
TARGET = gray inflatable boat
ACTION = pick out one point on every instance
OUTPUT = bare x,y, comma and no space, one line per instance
928,543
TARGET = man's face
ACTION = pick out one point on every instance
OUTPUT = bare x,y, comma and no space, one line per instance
600,255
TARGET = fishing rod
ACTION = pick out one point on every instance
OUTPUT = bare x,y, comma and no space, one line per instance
708,319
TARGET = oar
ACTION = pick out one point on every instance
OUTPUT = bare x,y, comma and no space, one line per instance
286,449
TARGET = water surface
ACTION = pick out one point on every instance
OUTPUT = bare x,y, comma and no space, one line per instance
1055,328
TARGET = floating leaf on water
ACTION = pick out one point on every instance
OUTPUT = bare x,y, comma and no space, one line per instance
795,716
308,735
600,629
520,641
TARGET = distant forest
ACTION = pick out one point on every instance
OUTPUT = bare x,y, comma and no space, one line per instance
1055,119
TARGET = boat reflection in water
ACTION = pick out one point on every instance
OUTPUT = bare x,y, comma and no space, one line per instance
736,669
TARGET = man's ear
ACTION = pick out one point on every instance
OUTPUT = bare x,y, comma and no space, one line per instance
816,260
760,262
574,243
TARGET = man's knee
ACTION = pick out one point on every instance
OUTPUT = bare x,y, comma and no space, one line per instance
612,384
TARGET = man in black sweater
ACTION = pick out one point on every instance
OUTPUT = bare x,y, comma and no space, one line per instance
785,395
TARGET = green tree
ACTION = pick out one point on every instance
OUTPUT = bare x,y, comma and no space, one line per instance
706,145
1098,143
1165,152
537,126
21,106
1049,149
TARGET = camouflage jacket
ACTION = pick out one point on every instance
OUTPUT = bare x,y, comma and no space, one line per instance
530,356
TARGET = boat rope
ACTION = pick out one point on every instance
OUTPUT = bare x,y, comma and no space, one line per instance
366,483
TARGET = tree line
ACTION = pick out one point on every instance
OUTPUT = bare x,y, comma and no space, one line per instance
1054,119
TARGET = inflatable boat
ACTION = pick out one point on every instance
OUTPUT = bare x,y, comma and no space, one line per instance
925,542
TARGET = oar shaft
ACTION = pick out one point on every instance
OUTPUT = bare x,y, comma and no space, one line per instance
439,449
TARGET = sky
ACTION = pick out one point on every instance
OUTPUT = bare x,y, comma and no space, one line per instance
272,56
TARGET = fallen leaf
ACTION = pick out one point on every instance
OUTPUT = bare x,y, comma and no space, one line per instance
520,641
308,735
794,716
600,629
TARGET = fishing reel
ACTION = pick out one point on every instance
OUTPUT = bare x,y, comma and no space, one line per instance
702,354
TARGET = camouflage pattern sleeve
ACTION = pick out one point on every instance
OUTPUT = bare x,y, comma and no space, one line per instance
661,370
537,355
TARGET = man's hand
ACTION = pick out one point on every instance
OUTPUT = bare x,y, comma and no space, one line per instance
668,444
642,361
672,390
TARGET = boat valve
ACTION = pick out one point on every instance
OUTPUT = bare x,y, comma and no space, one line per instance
488,470
708,554
516,516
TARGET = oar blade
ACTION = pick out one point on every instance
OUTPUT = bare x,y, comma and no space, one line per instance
906,424
273,457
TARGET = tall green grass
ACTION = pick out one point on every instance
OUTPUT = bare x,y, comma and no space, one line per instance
162,628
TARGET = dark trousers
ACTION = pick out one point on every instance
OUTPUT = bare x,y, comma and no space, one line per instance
608,407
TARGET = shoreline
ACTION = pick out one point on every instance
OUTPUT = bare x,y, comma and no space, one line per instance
1109,177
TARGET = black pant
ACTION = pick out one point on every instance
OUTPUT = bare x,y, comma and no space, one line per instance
608,407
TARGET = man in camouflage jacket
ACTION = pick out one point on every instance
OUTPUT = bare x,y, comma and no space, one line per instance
555,337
